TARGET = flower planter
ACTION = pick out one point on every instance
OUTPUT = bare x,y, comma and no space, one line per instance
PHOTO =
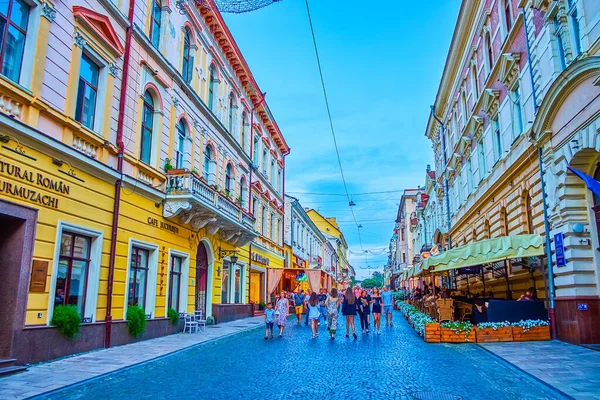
432,333
501,334
175,171
532,334
447,335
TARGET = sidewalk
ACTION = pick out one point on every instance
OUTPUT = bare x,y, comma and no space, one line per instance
574,370
45,377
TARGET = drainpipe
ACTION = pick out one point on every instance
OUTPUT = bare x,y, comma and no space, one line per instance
551,290
119,182
445,174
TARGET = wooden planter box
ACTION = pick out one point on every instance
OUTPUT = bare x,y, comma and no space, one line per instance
432,333
448,336
502,334
532,334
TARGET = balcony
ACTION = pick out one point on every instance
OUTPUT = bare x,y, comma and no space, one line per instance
269,245
195,202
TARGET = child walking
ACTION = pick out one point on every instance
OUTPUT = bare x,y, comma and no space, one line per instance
269,319
313,314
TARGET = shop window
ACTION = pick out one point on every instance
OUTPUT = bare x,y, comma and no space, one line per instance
175,282
225,284
14,17
87,92
180,144
138,277
188,60
73,271
147,128
238,284
155,22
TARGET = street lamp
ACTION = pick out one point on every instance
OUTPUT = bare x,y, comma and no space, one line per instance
232,253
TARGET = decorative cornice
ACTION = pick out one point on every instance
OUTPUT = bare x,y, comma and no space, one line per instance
79,40
509,68
475,127
490,102
48,12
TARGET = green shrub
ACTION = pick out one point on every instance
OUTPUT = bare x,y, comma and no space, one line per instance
173,316
67,320
210,320
136,320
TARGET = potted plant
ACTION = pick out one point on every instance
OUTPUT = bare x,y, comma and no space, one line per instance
240,201
494,332
215,187
262,305
210,320
168,166
136,320
196,173
457,332
227,193
67,320
173,316
530,329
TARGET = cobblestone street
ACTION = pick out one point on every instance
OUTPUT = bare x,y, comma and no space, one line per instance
396,364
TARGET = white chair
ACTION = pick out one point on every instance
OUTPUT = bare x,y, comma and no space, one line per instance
201,321
190,323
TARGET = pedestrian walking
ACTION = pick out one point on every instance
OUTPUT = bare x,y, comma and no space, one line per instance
322,298
364,311
299,305
332,304
306,298
281,313
269,318
377,302
388,306
349,311
313,314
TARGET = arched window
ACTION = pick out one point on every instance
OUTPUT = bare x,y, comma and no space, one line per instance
230,116
529,213
147,127
188,60
212,80
243,132
243,192
208,156
503,222
489,57
155,22
180,143
229,179
507,15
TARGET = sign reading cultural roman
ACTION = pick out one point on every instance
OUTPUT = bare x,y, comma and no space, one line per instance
162,225
260,259
35,178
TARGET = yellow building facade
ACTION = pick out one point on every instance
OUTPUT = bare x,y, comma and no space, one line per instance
132,183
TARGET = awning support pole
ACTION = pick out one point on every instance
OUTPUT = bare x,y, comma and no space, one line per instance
483,279
508,292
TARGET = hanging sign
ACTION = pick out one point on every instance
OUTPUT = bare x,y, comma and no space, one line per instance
559,250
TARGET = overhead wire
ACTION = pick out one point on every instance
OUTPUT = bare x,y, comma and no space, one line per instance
337,152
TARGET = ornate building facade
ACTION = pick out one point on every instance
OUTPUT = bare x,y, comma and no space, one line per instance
140,166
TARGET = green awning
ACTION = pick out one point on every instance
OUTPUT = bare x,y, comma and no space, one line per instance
486,251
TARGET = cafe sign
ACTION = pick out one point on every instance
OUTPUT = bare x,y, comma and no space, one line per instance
260,259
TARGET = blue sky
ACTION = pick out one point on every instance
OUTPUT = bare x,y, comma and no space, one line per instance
382,63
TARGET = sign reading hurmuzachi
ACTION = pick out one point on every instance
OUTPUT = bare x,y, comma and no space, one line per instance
559,249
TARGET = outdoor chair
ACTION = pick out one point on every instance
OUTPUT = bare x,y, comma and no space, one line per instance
465,311
445,310
190,324
201,321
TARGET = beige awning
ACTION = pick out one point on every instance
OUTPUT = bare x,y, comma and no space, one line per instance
486,251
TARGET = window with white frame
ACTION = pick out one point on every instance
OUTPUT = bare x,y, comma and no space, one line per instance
272,176
76,273
87,92
481,159
496,137
469,176
279,180
141,276
517,111
264,160
560,44
187,65
14,19
175,273
263,222
474,84
507,15
155,22
244,131
489,56
278,230
180,143
459,188
212,87
272,227
147,128
574,26
255,150
231,113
